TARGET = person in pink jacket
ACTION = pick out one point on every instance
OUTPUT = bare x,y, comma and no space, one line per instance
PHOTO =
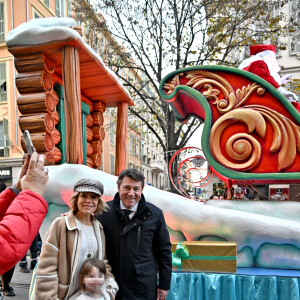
22,211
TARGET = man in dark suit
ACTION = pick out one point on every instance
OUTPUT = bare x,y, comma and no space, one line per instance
137,242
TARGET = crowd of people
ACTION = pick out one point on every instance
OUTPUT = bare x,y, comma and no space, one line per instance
115,250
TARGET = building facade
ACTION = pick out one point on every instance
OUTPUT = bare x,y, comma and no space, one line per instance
289,59
12,14
154,166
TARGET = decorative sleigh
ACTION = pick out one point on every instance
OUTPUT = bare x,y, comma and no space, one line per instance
251,131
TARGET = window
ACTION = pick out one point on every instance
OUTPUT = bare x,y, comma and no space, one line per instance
129,143
47,3
101,46
111,133
60,8
4,140
3,95
295,36
36,15
133,147
68,8
2,23
141,151
112,164
87,33
95,43
137,152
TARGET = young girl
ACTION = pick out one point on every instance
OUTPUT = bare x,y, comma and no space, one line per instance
91,279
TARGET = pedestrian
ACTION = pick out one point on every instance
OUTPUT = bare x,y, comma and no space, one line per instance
91,279
7,289
69,241
239,194
33,257
138,244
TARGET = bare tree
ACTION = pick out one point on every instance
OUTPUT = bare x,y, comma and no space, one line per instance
159,36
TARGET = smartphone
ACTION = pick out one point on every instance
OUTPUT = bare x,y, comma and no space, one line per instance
28,142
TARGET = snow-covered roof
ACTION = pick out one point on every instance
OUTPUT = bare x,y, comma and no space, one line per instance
41,31
50,34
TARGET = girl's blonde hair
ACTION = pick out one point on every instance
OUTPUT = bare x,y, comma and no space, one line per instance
87,267
102,206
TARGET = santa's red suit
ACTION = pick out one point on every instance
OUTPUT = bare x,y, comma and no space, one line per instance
263,63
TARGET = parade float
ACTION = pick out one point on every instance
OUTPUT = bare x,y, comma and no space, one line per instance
251,134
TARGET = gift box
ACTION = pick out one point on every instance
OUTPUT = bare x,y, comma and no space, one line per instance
204,256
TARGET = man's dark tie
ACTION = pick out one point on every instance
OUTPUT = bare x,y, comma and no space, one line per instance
127,212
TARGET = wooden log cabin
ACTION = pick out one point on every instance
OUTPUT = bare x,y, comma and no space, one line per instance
64,89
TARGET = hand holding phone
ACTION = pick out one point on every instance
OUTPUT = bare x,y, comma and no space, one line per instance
28,143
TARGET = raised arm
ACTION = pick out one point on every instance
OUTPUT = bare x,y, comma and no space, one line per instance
22,215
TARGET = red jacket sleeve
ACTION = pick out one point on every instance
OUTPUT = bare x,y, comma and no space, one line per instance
19,225
6,198
260,69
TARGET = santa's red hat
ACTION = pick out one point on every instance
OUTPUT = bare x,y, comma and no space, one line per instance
254,49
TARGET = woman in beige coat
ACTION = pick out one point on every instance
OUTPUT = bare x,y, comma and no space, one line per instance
70,241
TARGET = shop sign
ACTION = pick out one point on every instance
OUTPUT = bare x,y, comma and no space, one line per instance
6,172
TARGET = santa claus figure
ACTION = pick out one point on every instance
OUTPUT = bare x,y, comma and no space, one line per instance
263,63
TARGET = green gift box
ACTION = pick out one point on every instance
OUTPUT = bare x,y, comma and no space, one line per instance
204,256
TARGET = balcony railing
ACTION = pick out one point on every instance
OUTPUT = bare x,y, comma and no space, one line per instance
157,166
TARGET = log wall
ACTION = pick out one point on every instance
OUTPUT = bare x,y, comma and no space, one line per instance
95,134
37,104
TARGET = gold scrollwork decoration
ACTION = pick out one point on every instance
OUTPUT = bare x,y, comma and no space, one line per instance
244,150
244,94
286,136
212,86
170,87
